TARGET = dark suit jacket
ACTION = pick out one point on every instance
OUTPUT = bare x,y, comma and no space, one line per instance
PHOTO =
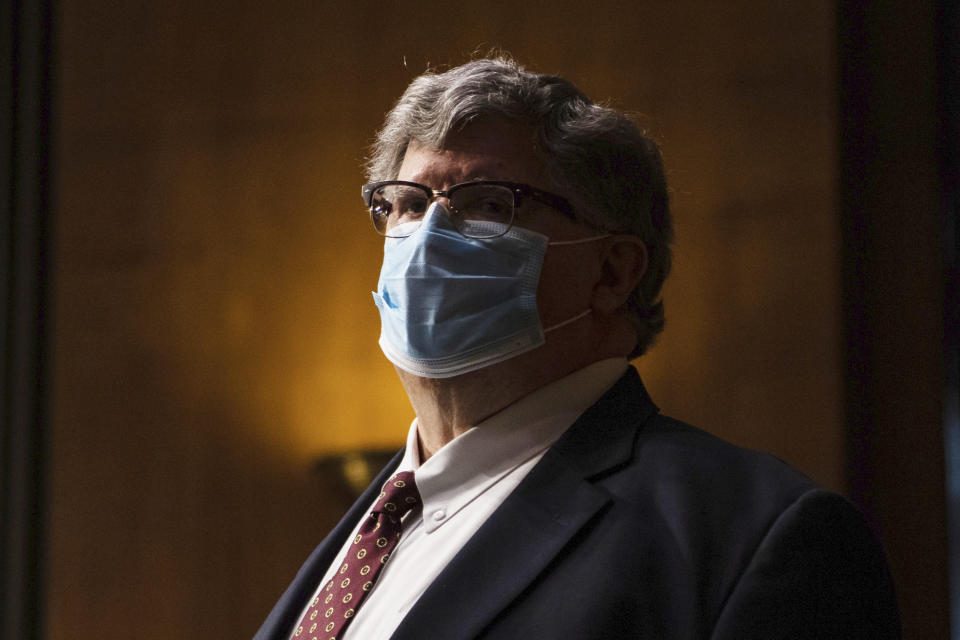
634,525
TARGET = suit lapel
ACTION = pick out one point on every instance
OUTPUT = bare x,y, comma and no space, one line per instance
279,623
555,501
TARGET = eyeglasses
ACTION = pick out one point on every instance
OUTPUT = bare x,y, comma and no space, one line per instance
394,202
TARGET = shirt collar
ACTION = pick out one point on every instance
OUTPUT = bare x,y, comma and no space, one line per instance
474,461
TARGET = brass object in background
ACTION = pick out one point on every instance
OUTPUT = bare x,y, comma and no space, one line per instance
348,474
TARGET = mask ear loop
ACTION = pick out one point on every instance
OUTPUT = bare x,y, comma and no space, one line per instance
582,314
578,241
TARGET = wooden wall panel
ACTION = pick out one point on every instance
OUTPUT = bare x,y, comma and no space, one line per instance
895,198
215,330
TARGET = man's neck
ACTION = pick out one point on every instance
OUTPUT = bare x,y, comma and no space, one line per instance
448,407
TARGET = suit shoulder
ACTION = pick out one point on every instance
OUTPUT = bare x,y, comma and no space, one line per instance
707,470
662,435
820,568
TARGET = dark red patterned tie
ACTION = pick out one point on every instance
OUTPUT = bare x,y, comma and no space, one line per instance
333,609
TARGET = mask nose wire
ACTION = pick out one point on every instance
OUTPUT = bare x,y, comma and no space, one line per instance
435,216
433,211
434,206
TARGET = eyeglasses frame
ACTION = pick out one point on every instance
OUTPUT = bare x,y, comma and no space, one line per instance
519,190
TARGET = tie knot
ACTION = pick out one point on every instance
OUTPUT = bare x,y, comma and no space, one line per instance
399,495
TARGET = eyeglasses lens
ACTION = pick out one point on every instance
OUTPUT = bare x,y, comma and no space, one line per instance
392,205
395,204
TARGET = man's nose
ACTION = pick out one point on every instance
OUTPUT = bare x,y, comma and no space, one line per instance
438,217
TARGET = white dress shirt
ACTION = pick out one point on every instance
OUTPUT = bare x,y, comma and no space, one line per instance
463,483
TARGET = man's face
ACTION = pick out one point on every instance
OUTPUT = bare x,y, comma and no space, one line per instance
503,150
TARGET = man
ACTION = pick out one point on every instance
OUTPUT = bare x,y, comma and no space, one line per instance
541,494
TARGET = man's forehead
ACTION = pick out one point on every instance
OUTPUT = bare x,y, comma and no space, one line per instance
487,150
438,168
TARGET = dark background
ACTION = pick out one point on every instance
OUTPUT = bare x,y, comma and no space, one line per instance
187,270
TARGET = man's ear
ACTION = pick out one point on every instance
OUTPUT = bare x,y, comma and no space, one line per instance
623,264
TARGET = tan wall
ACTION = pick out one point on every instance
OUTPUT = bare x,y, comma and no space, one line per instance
214,325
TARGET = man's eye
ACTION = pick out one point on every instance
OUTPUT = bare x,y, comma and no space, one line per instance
491,205
486,208
418,205
411,204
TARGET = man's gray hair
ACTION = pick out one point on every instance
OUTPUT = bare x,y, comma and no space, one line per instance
595,156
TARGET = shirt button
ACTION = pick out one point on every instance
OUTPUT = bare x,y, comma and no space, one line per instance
439,515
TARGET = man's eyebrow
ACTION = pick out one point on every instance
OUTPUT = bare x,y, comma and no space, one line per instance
480,179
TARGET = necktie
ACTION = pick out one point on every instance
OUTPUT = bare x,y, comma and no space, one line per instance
333,609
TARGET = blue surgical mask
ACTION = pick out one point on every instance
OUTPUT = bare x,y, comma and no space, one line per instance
451,304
